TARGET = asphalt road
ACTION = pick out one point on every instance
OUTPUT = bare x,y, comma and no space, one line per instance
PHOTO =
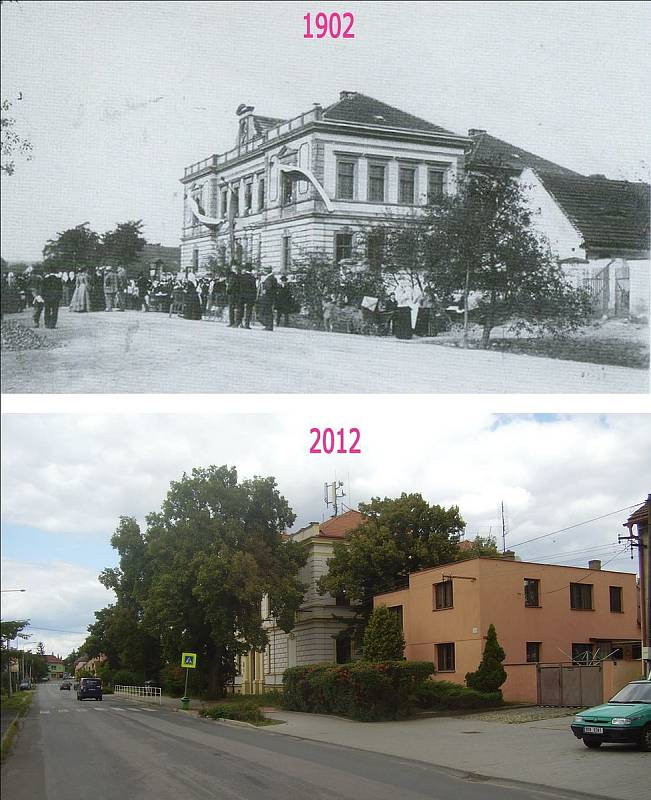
119,750
138,352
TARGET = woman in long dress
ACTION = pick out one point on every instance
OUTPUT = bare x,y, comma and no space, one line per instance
81,296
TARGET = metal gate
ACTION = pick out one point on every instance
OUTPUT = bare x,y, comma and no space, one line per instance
569,685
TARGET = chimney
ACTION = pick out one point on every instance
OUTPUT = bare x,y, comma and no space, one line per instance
594,564
475,131
509,555
346,95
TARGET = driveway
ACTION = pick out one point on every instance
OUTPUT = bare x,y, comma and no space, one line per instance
139,352
543,752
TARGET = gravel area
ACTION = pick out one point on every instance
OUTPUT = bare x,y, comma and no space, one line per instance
513,716
17,337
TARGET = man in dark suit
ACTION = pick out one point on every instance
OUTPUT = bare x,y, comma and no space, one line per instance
266,299
51,292
233,296
248,294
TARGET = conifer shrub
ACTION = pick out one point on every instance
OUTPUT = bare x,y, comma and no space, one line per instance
361,690
383,639
490,674
444,695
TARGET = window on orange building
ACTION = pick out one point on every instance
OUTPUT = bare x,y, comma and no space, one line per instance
443,594
581,596
533,652
616,599
445,657
531,592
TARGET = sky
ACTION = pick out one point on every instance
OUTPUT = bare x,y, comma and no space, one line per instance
117,98
66,480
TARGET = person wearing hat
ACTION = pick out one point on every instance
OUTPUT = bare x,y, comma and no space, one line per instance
266,298
247,296
284,301
51,292
110,288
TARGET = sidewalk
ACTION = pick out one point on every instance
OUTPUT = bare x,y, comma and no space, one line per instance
543,752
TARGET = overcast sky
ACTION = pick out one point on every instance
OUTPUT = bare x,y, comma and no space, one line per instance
118,97
66,479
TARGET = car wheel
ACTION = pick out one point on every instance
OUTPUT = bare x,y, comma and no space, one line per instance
645,739
593,744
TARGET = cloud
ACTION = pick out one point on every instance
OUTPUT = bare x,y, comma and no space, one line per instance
60,601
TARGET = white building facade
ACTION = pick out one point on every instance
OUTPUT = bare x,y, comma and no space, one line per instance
312,183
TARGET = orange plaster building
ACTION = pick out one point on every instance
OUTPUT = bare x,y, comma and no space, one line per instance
543,614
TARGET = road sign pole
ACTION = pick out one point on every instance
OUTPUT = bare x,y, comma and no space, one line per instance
185,693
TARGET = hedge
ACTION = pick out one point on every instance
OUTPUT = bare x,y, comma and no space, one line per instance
361,690
244,712
446,695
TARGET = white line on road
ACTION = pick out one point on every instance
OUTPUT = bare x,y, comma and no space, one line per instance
63,710
43,712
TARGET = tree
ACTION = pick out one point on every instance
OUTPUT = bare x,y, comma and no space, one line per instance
73,248
490,674
11,142
482,241
195,578
398,536
317,279
123,244
383,639
485,546
10,630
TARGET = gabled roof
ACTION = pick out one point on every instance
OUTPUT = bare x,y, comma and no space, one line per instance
52,659
638,517
262,124
609,214
356,107
489,151
339,527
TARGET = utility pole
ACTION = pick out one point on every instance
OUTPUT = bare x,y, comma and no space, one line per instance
641,518
503,530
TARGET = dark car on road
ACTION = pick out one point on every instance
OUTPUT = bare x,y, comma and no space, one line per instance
89,687
625,718
25,685
65,685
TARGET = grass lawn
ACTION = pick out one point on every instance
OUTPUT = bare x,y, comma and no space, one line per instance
18,703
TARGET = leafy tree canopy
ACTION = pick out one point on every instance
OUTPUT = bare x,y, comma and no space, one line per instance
73,248
477,547
398,536
122,245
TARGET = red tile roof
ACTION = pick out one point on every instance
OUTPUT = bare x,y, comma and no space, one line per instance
356,107
53,659
488,151
611,215
339,527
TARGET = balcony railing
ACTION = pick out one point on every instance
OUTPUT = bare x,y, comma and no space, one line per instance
269,135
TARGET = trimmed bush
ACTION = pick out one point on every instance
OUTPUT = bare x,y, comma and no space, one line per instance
445,695
243,712
383,639
490,674
361,690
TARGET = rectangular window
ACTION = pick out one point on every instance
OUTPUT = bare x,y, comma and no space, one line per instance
260,193
581,596
195,260
407,185
434,186
341,599
345,180
224,202
344,650
445,657
443,594
533,652
531,592
343,246
375,248
286,255
287,190
248,199
235,202
616,599
397,610
581,653
376,183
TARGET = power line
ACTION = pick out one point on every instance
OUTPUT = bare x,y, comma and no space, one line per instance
576,525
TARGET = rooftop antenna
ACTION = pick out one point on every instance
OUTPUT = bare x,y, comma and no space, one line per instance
332,493
503,530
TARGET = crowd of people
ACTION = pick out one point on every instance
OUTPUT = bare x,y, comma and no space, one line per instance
238,296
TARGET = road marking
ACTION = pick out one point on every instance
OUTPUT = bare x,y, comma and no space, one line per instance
148,709
63,710
44,712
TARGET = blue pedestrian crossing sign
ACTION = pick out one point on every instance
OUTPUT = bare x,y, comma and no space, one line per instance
189,660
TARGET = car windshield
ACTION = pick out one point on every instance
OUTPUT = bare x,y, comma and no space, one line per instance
634,693
89,683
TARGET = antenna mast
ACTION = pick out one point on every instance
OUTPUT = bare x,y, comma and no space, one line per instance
332,493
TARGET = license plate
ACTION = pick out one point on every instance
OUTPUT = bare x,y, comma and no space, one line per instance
589,729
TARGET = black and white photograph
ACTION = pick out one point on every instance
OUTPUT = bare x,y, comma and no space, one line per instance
372,198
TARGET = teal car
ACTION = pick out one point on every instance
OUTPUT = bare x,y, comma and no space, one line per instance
625,718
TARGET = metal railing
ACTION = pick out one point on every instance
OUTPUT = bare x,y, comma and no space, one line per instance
149,693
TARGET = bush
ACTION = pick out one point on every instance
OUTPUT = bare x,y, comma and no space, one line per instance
173,680
124,677
360,690
490,674
383,639
243,712
451,696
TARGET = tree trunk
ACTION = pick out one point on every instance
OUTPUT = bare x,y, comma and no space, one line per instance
489,322
466,292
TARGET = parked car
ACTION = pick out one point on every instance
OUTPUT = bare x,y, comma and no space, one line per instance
65,685
626,717
89,687
24,685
